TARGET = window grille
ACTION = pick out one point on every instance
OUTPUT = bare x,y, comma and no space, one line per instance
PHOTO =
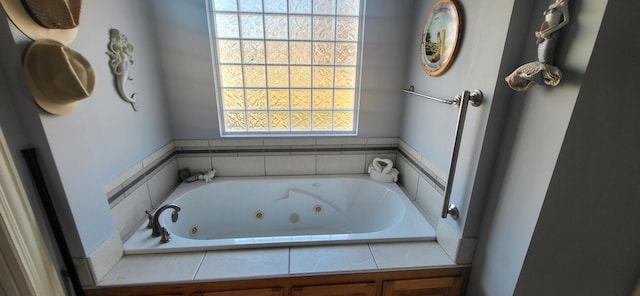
287,66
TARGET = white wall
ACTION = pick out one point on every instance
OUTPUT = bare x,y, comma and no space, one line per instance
186,57
429,126
586,240
534,134
104,136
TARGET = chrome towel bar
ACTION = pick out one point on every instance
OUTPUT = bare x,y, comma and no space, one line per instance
475,97
468,97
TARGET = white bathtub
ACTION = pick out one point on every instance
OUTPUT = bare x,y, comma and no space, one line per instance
284,211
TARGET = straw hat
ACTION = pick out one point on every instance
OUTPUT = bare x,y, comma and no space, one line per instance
57,76
45,19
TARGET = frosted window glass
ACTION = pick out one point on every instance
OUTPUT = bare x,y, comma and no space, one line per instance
343,99
323,28
321,121
252,27
323,53
233,99
253,52
301,99
225,5
279,6
231,75
276,26
324,7
348,7
279,120
235,120
229,51
257,121
256,99
300,76
227,25
343,120
300,6
300,52
251,5
346,53
300,27
322,76
345,77
322,99
277,52
300,120
287,66
278,76
347,29
278,99
254,76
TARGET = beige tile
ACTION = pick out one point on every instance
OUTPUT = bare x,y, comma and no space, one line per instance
410,254
236,142
244,263
290,165
460,250
154,268
341,141
340,164
239,166
321,259
195,164
447,238
106,256
84,272
408,177
163,182
128,214
382,141
289,141
429,200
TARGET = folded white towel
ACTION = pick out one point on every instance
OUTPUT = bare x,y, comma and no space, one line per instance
391,177
381,165
382,170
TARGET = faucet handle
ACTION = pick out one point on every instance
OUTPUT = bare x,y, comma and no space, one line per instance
150,217
166,236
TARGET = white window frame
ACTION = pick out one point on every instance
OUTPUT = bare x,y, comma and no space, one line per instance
218,86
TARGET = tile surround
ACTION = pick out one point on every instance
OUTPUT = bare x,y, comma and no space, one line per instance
244,263
157,175
154,268
319,259
410,254
256,263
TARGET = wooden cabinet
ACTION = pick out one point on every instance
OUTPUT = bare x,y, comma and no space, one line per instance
447,286
416,282
359,289
248,292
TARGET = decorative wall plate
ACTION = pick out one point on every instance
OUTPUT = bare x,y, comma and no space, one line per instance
439,39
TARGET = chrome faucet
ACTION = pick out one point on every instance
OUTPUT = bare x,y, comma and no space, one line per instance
157,229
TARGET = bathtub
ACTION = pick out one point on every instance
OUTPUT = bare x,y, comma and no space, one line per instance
284,211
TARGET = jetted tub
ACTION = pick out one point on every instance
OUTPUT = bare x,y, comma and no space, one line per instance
284,211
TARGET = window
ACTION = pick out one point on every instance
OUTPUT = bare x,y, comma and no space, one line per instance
287,66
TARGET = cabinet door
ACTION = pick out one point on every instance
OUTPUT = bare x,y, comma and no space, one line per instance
449,286
361,289
251,292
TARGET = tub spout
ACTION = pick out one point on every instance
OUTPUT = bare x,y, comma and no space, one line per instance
156,227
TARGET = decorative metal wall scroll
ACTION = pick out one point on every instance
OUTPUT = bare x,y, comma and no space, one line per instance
121,59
